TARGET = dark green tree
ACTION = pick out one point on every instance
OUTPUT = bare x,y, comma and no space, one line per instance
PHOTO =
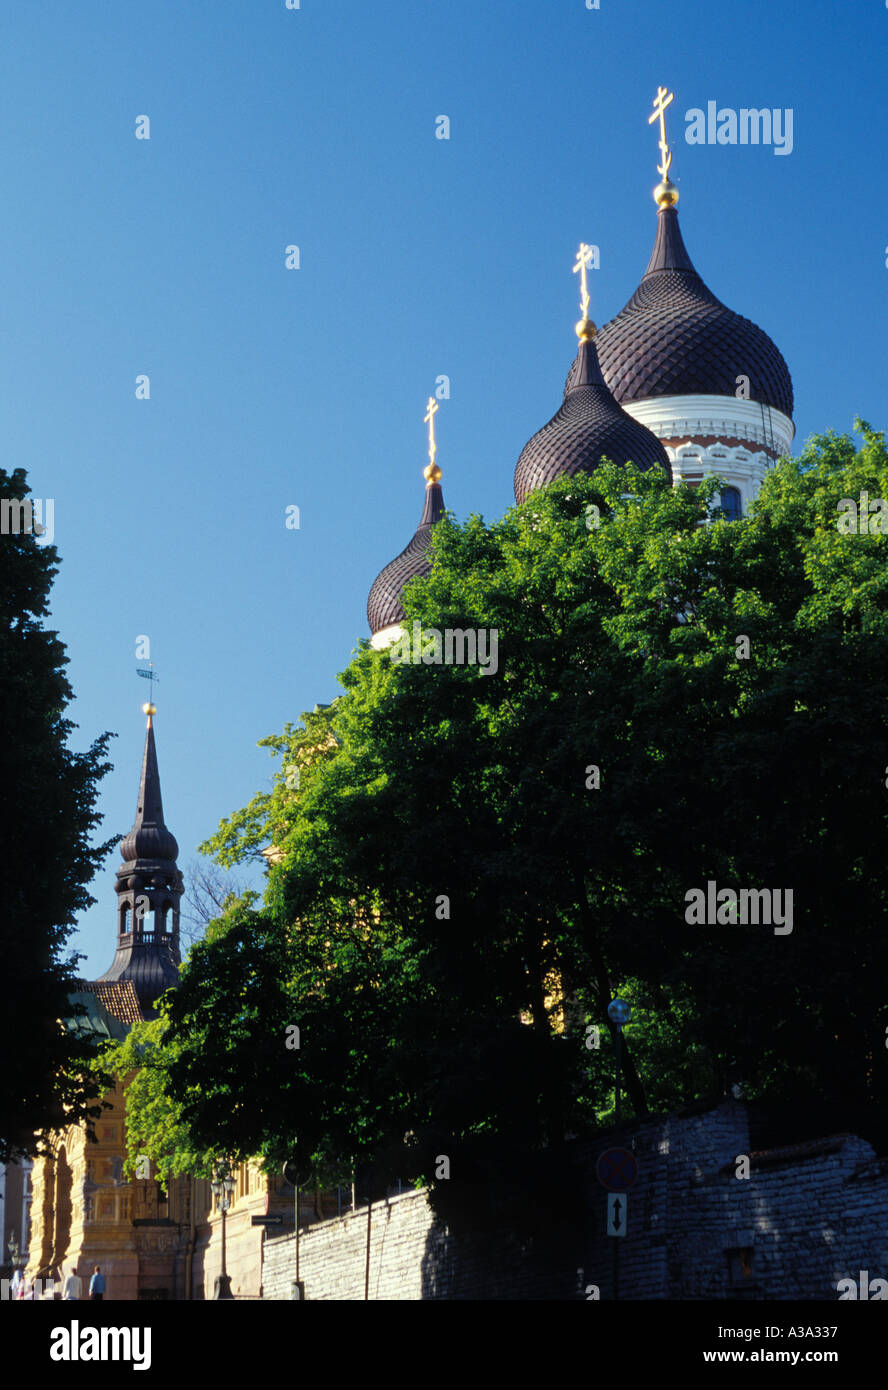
47,816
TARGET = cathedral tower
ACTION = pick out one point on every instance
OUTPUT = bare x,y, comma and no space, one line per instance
149,889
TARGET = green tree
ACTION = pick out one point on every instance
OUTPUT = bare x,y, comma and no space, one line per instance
47,815
474,862
156,1125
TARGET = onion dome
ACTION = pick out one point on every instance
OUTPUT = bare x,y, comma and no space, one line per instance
589,427
674,338
384,608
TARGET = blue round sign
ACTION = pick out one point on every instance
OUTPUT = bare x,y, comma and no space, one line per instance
617,1170
619,1012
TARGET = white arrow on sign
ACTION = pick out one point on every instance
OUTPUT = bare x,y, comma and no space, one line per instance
617,1213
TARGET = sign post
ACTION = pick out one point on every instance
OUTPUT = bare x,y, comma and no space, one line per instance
291,1175
619,1013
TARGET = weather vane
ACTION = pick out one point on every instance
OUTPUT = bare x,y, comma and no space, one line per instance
149,675
661,101
429,419
584,261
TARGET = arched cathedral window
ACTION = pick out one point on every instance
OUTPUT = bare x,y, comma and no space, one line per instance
731,504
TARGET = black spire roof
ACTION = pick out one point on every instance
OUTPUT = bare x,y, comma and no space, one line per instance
149,888
589,426
384,606
674,338
149,837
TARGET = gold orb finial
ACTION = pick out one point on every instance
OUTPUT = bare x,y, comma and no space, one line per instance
666,194
585,330
149,709
432,473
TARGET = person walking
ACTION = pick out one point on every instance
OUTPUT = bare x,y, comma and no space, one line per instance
97,1285
73,1286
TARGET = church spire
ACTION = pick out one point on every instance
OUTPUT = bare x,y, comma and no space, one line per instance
149,889
149,837
670,252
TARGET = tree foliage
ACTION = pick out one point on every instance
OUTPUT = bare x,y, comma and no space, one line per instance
473,863
47,816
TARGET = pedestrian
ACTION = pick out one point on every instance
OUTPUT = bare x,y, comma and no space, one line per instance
73,1286
17,1289
97,1285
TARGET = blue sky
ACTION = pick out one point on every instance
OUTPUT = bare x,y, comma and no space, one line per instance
418,257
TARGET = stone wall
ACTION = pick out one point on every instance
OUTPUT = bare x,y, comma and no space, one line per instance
412,1256
806,1217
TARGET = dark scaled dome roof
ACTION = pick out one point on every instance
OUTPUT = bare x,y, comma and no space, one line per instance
674,338
589,426
384,607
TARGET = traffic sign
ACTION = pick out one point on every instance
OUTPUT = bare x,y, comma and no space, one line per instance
266,1221
297,1171
619,1012
617,1214
617,1170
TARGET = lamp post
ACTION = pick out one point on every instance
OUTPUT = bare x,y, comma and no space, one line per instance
293,1171
619,1013
222,1185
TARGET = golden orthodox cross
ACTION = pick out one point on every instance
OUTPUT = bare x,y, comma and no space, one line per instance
584,260
661,101
429,419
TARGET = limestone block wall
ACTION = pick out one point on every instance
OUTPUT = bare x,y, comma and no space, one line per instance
412,1257
804,1218
672,1154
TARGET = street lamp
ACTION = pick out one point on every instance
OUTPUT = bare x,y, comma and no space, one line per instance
619,1013
222,1186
